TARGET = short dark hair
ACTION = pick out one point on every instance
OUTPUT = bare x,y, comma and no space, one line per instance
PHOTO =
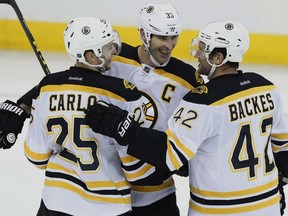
224,53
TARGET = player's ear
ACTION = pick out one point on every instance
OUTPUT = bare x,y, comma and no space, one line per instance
142,35
219,58
90,56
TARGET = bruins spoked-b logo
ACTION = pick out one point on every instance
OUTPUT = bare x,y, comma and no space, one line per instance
150,9
202,89
150,110
86,30
229,26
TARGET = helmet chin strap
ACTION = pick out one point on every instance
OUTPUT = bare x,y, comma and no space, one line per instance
213,66
212,71
100,66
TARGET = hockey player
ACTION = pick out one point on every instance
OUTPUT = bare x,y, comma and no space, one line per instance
83,170
227,130
163,80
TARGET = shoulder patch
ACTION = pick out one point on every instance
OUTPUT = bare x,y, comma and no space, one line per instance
128,85
202,89
198,77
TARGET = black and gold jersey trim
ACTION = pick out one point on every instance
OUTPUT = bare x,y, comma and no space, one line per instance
63,176
227,88
240,201
177,70
80,79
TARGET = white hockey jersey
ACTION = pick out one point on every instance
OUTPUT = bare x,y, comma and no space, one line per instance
83,171
163,88
228,127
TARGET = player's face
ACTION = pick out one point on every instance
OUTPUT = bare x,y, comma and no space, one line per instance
203,67
161,47
108,52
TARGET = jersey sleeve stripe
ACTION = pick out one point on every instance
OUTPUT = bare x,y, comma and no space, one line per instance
280,137
41,165
279,148
140,173
173,158
165,185
36,157
129,160
180,146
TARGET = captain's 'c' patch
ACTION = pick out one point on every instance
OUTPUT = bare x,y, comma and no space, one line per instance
128,85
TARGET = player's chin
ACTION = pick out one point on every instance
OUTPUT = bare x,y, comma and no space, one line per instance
108,66
164,58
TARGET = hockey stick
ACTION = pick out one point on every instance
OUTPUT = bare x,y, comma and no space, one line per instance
29,35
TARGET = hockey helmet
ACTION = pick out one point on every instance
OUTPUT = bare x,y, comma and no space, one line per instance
159,19
229,34
89,33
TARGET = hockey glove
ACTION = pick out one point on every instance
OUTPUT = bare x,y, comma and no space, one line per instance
12,118
281,184
112,121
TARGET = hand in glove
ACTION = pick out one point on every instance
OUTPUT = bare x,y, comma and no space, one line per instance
12,118
112,121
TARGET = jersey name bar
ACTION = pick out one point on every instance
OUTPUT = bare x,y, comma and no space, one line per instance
70,102
251,106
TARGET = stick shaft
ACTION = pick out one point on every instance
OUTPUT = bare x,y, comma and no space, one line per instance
28,34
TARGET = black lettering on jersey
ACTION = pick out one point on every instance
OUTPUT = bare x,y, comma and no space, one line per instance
251,106
70,102
270,101
165,96
91,100
255,105
61,103
79,108
52,106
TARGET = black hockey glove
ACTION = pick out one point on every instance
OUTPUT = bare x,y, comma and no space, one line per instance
112,121
12,118
281,184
